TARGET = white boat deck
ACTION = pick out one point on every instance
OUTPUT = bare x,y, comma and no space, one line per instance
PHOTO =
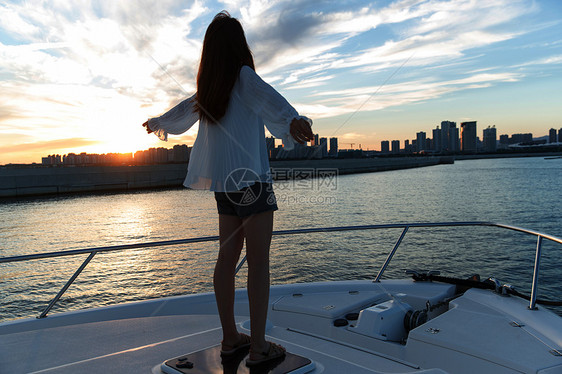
479,332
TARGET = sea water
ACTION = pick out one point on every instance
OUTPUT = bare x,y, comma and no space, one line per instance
523,192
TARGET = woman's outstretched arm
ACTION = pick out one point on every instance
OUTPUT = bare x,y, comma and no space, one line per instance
176,121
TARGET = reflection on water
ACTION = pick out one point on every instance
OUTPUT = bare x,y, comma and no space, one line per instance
515,191
128,219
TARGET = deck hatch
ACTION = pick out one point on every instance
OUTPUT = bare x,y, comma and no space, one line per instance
328,304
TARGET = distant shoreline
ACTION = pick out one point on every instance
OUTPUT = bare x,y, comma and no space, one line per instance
39,181
506,155
29,181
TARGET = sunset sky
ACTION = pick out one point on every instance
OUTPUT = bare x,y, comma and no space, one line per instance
82,76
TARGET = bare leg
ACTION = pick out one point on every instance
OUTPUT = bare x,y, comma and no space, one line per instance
258,229
231,236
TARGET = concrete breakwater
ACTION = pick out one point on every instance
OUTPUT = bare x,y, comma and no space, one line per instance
29,181
357,165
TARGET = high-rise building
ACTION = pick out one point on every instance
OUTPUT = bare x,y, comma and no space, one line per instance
420,141
300,151
315,141
552,136
449,136
324,147
521,138
468,136
504,139
161,155
407,148
395,146
181,153
333,147
455,140
270,144
560,136
51,160
490,136
445,127
436,139
385,146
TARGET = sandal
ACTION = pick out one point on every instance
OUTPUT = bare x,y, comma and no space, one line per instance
275,351
243,342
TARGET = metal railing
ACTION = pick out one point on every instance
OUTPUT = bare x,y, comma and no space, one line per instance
404,226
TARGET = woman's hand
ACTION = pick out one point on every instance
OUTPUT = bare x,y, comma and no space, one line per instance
301,130
148,130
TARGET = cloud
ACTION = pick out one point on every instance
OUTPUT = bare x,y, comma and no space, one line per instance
285,33
96,68
308,47
116,48
350,136
462,15
289,33
370,98
550,60
310,82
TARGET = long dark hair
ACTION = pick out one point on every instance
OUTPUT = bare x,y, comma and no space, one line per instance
225,51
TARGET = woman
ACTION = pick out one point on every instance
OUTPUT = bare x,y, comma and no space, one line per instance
230,157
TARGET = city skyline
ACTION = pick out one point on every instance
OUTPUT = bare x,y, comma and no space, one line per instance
81,76
334,141
329,147
465,139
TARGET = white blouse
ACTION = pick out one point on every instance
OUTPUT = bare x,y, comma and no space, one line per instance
232,154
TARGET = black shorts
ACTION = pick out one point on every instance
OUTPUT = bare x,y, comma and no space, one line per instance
257,198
